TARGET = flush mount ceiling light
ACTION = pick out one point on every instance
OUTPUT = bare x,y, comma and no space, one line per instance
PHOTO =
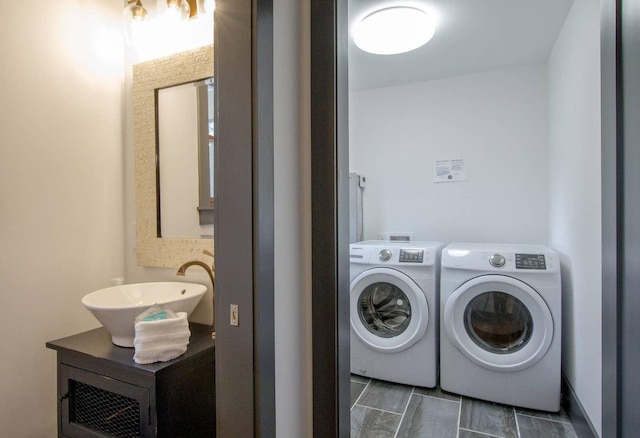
394,30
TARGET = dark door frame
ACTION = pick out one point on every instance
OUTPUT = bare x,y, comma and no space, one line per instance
611,217
620,213
629,210
244,218
330,222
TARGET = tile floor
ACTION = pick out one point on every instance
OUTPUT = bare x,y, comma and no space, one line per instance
381,409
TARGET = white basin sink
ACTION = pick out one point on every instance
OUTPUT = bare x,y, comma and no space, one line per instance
116,307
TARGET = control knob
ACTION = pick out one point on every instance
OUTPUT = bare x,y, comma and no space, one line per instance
385,255
497,260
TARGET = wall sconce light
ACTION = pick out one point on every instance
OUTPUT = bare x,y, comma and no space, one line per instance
174,25
133,15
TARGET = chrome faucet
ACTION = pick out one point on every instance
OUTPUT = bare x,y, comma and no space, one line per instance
210,270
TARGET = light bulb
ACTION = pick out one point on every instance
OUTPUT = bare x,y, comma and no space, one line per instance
177,10
135,11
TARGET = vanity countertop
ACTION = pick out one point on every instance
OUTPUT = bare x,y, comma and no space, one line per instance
97,344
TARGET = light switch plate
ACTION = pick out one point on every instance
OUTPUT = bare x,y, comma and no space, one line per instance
233,315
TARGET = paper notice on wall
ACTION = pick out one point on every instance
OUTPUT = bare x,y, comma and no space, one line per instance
450,170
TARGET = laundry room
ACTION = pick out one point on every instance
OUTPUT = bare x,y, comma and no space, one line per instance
490,133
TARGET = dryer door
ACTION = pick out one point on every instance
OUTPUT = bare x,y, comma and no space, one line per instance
498,322
389,312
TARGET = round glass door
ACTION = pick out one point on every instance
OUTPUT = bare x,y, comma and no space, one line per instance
384,309
498,322
389,312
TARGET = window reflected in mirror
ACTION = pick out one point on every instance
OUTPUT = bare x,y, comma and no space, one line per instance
184,168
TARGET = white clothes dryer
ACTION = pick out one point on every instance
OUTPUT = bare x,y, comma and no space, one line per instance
394,311
500,324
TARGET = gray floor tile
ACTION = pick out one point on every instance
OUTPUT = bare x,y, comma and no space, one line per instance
436,392
386,396
486,417
372,423
555,416
356,390
531,427
378,414
430,417
463,433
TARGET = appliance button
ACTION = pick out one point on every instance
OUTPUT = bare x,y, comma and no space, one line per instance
385,255
497,260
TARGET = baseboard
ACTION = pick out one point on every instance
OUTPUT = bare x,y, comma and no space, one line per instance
577,414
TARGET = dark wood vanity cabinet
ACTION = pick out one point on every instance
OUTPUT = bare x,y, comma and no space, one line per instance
102,392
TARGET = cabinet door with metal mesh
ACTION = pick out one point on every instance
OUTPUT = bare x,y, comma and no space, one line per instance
93,405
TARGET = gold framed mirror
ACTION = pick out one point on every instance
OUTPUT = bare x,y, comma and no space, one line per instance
152,249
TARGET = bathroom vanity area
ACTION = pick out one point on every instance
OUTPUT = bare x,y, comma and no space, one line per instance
102,392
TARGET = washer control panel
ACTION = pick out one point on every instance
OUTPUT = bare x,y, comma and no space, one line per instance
374,252
411,256
530,261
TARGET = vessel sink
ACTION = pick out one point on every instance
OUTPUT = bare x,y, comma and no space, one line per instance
116,307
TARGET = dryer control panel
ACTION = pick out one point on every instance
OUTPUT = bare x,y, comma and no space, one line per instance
530,259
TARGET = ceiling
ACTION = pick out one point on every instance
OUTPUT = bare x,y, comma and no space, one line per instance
471,36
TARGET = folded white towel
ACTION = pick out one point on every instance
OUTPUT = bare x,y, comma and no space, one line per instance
162,326
161,340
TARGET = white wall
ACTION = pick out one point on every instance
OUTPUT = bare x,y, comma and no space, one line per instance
61,190
496,121
292,188
575,221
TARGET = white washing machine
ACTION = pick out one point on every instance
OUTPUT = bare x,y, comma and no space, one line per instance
394,311
500,324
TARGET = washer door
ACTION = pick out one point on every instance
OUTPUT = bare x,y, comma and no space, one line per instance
499,323
389,312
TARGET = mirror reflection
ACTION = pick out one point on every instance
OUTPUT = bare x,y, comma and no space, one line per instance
185,160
